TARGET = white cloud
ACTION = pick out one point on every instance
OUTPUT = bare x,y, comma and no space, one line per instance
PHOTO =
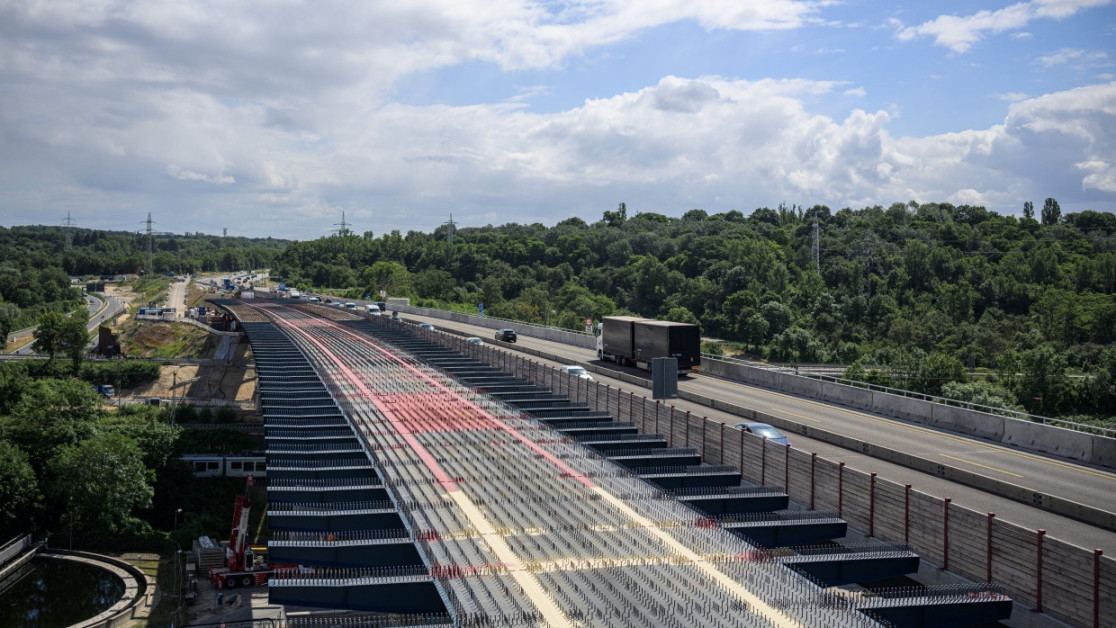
227,113
960,33
1068,55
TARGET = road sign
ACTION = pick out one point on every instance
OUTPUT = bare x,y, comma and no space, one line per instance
383,294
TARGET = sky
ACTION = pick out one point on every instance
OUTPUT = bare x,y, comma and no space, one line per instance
280,118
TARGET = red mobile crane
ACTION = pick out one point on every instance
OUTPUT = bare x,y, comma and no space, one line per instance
242,570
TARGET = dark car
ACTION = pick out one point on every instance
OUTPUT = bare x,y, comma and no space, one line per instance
507,335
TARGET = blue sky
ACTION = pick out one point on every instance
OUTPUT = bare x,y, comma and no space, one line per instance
274,118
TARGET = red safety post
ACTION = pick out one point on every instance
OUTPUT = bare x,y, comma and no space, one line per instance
703,433
813,467
1038,572
945,533
741,432
1096,587
763,461
991,516
872,505
722,441
907,514
840,488
786,470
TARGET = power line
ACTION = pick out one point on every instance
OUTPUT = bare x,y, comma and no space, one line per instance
816,245
451,230
68,229
343,226
150,244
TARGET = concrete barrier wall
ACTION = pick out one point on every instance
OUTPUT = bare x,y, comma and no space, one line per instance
1095,449
584,341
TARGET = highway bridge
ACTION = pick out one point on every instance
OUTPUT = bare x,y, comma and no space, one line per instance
1029,472
408,477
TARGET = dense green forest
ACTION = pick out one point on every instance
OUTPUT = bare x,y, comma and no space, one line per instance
108,476
36,263
926,292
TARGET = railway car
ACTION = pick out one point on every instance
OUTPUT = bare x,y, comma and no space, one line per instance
213,465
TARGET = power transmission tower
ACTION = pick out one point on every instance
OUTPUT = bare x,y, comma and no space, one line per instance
150,244
452,228
68,229
815,245
343,226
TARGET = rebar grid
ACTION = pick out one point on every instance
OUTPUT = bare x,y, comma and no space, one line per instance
432,438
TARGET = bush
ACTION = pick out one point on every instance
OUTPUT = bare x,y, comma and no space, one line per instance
123,373
225,414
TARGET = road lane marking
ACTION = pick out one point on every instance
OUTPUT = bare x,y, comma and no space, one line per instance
922,430
801,416
982,466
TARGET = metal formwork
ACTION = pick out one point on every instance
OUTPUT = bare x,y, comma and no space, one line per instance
631,593
516,523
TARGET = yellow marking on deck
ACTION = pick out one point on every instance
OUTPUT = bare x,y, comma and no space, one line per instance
516,569
982,466
801,416
760,607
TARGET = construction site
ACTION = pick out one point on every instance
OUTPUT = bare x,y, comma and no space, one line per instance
409,483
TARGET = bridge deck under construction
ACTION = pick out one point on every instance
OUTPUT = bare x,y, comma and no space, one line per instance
513,522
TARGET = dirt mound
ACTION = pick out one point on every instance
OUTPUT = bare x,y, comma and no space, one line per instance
142,339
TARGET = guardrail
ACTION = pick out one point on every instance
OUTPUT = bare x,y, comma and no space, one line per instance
968,405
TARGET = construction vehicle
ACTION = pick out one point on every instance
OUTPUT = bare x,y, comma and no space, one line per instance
636,341
242,568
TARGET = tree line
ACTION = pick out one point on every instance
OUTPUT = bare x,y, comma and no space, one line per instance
925,292
36,263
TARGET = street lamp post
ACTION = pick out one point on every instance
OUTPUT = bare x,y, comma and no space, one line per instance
177,551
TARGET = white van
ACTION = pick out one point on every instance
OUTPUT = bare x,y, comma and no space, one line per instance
373,309
350,306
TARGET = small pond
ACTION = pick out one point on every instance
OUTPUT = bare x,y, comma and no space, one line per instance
55,593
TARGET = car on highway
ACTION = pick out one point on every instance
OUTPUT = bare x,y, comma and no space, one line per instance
577,371
474,340
506,335
426,326
764,430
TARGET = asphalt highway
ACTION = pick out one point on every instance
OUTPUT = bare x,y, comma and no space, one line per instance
99,312
1081,483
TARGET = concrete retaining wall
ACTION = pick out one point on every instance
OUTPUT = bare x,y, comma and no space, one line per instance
139,591
1091,448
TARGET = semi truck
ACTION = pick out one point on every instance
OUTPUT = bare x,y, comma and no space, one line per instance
636,341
